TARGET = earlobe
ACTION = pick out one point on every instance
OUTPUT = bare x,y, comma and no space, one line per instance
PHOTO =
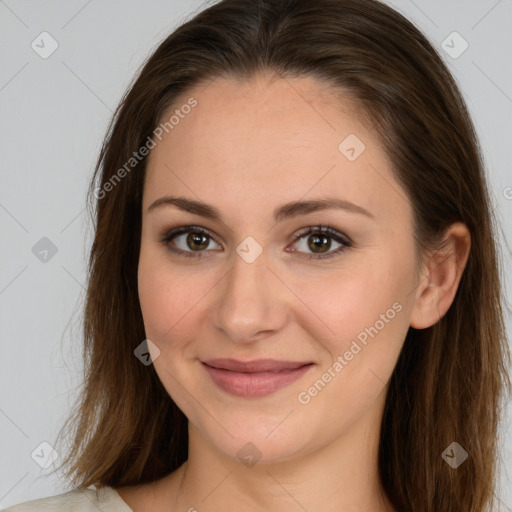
441,277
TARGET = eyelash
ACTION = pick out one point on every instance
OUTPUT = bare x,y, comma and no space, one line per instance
319,230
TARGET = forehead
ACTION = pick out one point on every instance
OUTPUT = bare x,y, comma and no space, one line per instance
270,139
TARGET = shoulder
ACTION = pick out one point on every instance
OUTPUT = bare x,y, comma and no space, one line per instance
77,500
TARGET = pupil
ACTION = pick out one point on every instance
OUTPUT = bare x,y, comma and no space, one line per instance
196,238
201,241
318,241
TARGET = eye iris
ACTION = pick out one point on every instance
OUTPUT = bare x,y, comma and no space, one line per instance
197,238
317,241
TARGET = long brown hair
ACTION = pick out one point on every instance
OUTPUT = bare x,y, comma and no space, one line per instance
450,379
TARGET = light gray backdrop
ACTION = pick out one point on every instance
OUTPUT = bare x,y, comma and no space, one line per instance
57,92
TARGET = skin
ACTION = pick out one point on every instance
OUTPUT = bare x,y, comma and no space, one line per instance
247,148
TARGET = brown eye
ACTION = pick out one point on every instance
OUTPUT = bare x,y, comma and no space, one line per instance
315,242
318,242
188,241
197,241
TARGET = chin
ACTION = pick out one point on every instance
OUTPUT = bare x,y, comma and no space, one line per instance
267,444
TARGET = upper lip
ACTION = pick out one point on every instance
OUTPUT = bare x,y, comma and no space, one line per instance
254,366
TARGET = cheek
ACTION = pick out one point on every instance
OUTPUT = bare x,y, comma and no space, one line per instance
368,314
170,309
167,297
363,312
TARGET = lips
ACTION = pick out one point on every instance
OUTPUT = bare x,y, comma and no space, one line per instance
256,366
254,379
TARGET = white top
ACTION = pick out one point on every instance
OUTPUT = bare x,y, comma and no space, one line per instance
91,499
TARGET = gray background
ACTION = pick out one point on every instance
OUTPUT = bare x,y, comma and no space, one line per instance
54,113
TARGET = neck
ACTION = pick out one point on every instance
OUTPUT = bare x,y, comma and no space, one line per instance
342,475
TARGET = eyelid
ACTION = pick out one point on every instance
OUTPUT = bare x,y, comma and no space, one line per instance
340,238
344,241
325,230
171,233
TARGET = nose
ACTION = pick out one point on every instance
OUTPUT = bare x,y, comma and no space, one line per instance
251,302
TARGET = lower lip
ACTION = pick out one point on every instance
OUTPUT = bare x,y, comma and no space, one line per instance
254,385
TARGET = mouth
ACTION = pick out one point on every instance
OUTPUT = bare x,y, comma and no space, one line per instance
254,379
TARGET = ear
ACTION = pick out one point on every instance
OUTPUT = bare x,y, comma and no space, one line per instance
440,277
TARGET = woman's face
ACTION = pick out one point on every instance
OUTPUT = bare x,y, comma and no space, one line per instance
253,284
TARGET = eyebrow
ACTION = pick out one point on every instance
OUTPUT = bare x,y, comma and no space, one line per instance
286,211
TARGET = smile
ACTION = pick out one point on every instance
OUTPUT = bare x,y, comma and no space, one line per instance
254,379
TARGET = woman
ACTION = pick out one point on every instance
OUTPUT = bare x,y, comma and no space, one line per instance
294,297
